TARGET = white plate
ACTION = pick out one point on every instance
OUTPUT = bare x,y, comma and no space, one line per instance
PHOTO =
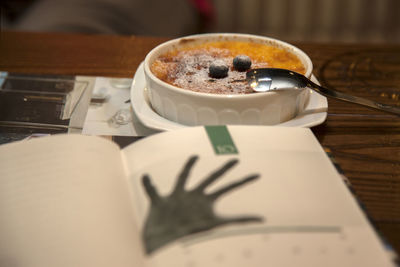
314,114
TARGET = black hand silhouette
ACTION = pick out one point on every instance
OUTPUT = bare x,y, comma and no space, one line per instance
186,212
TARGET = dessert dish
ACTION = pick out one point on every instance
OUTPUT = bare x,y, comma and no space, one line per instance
202,107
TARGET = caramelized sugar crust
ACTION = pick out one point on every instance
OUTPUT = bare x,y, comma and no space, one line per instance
187,67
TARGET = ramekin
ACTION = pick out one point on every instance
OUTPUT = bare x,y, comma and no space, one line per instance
194,108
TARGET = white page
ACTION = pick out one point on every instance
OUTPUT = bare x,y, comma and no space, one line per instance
64,202
99,118
310,217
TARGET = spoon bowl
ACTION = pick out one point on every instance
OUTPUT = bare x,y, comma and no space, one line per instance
270,79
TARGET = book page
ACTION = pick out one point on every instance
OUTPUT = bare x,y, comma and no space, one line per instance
64,202
269,196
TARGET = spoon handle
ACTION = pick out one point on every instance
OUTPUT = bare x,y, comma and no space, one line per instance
354,99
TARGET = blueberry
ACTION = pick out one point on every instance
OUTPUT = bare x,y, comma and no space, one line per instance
218,69
241,63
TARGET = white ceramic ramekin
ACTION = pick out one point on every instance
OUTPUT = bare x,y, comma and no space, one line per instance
193,108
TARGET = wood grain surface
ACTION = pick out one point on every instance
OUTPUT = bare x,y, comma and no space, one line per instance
364,142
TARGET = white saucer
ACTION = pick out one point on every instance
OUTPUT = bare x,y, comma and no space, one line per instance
314,114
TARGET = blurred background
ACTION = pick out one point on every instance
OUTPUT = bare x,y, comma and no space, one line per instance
372,21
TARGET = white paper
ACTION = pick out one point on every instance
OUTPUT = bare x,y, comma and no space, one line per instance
99,118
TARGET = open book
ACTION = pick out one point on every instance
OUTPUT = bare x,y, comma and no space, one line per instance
202,196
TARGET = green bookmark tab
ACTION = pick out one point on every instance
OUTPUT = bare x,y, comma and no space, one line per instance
221,140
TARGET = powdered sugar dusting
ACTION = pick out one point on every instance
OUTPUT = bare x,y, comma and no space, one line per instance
188,68
191,71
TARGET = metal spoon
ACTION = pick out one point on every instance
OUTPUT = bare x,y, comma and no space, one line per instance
269,79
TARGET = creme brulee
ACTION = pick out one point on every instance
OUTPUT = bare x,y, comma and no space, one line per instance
188,67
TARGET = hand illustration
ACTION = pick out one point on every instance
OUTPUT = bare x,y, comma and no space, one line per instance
187,212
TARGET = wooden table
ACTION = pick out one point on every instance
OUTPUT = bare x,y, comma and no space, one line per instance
365,143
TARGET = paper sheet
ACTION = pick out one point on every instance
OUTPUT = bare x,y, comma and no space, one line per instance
113,116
